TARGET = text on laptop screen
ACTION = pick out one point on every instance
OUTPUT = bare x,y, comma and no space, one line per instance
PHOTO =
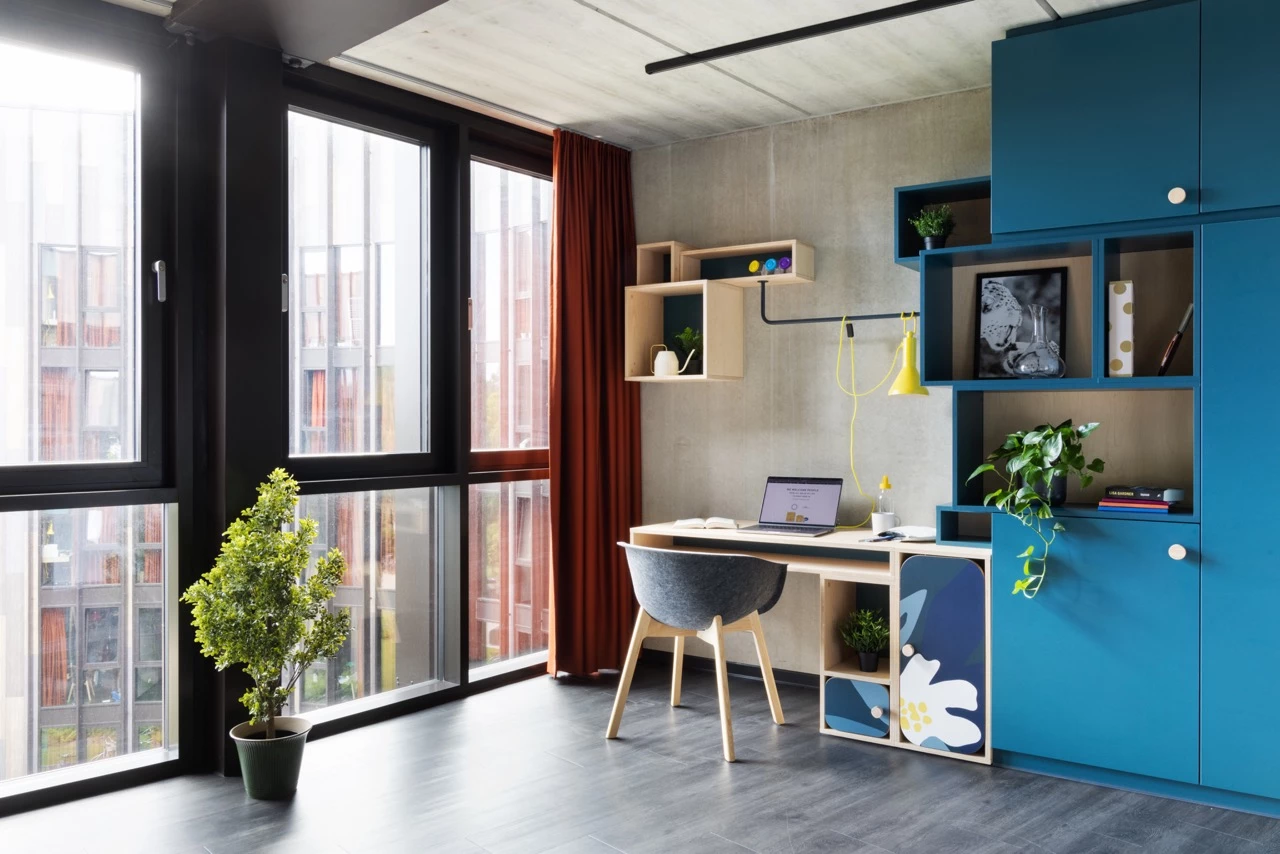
800,501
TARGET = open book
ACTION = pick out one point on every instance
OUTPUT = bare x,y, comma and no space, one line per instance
709,522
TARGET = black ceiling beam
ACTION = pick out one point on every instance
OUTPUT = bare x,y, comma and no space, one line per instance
875,16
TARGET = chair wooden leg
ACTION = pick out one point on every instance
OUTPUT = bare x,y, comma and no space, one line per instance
766,668
716,636
643,621
677,669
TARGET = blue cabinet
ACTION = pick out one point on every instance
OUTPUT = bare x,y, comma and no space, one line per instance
1096,122
1241,629
1102,668
1241,80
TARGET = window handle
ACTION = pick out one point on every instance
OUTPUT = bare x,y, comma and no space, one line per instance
162,291
284,293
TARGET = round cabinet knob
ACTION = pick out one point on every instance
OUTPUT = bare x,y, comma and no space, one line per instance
908,650
877,712
1177,196
1177,552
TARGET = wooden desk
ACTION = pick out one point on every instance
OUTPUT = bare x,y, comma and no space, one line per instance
844,560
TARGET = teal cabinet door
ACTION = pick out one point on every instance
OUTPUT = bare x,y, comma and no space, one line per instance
1241,628
1096,122
1240,76
1102,668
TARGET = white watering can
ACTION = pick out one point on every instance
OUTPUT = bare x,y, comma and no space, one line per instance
666,363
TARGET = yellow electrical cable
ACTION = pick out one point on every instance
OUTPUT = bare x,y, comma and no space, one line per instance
853,392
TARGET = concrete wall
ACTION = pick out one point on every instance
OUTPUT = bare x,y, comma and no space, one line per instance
708,447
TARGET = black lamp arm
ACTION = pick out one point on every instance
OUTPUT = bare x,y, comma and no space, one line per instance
848,318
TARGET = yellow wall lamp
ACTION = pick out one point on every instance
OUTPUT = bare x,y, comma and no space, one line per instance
908,379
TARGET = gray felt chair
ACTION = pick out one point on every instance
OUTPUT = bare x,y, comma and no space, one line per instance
705,595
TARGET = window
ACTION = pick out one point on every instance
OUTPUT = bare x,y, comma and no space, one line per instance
510,521
69,245
511,308
391,590
510,570
102,655
358,291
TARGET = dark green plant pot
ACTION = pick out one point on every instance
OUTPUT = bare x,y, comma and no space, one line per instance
1054,493
936,242
270,766
868,662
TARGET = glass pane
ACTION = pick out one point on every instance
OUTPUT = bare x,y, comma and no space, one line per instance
84,650
511,308
358,286
391,591
510,577
69,279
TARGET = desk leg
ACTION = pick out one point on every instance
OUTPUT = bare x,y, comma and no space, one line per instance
643,621
766,667
677,669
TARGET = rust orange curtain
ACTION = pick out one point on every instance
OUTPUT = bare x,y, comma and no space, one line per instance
595,431
53,657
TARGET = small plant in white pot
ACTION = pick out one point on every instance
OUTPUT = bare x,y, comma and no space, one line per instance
256,608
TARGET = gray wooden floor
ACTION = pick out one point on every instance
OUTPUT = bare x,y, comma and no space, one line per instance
525,769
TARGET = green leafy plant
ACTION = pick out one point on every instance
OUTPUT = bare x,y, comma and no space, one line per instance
689,340
1030,462
933,222
865,631
256,609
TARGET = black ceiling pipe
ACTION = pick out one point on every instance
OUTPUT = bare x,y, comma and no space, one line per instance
875,16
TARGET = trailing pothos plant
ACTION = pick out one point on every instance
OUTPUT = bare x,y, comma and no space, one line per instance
1031,463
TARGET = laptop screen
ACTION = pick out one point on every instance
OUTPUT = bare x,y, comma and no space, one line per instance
801,501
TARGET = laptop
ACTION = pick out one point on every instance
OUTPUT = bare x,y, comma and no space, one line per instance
799,506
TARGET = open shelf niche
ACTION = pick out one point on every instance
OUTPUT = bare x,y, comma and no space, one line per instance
1146,437
731,264
970,200
849,695
840,598
657,262
1150,283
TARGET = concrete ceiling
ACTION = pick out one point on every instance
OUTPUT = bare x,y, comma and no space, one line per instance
579,64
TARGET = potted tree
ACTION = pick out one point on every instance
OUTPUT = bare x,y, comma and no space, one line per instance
866,632
690,344
1034,466
933,224
255,608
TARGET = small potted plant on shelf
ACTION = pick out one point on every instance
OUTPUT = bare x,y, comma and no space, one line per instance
258,608
934,224
866,632
1034,466
689,343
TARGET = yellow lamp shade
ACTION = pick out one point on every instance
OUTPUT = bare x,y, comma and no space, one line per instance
908,381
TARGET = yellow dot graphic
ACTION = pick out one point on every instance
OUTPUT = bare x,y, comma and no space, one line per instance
928,720
922,707
1126,346
1116,364
1128,308
1120,287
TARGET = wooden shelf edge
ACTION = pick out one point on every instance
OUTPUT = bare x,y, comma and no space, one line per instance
872,739
849,670
682,378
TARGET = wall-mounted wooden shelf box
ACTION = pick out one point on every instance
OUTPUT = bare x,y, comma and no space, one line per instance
658,262
970,200
721,314
731,264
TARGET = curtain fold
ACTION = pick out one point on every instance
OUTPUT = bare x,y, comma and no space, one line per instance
595,430
53,657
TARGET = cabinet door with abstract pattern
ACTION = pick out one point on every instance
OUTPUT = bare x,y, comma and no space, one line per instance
943,661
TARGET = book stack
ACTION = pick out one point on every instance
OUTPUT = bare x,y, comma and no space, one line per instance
1140,499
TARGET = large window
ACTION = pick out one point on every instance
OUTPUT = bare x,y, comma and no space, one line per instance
391,591
98,683
358,292
510,521
69,279
86,579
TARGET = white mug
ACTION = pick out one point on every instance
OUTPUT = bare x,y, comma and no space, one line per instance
881,522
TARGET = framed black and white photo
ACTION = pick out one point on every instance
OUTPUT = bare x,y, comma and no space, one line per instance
1005,318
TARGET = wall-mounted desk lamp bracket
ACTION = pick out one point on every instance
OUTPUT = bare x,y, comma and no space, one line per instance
848,319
